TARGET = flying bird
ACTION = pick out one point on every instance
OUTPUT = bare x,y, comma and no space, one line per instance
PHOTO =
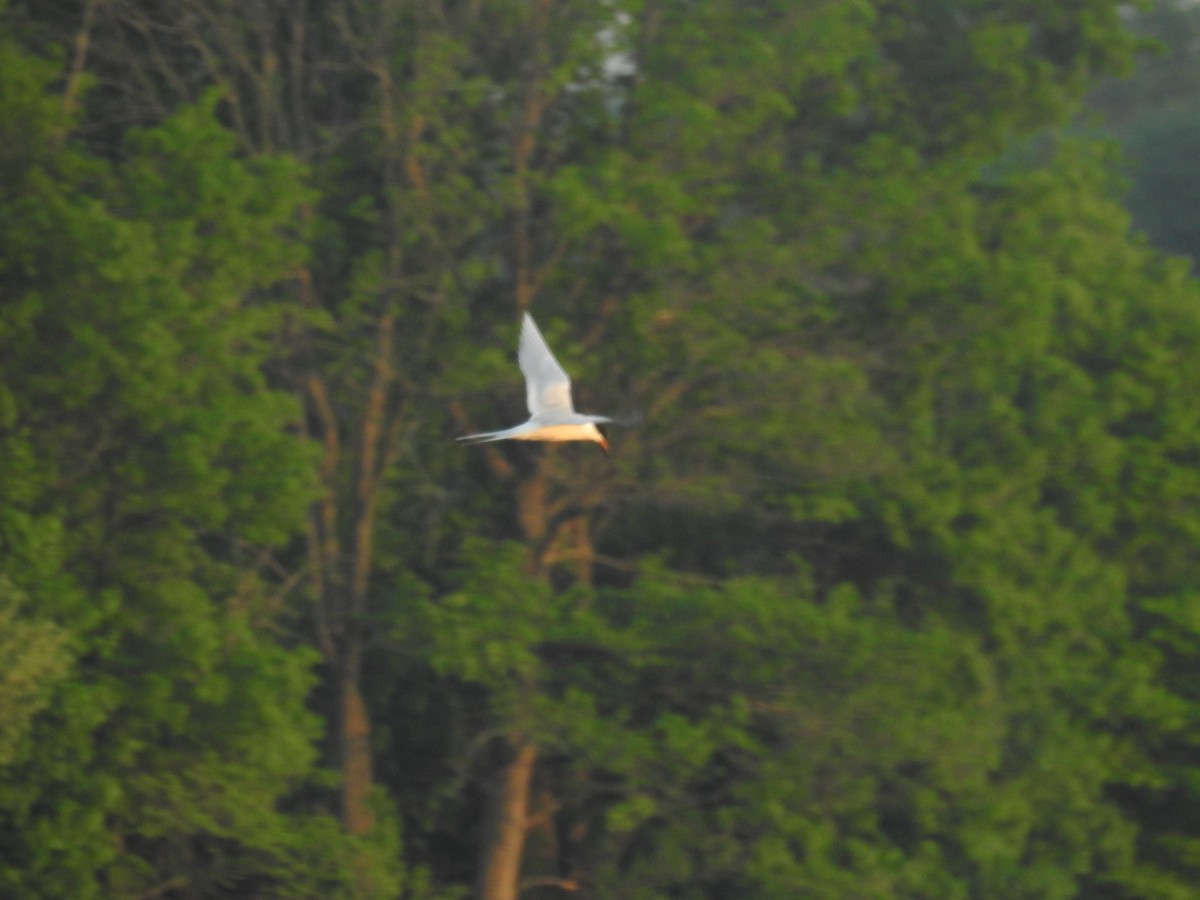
552,416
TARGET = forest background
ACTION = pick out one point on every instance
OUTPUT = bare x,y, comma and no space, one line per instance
891,589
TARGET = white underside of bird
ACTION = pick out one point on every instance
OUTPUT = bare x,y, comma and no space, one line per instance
552,416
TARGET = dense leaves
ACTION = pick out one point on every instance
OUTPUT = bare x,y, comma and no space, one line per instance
149,468
888,589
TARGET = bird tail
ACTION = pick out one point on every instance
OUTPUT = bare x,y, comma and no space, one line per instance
483,437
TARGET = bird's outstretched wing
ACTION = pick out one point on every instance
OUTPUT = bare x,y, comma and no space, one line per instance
547,385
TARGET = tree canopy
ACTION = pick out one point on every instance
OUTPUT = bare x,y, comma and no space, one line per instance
888,589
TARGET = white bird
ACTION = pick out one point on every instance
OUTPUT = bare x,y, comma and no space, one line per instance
552,416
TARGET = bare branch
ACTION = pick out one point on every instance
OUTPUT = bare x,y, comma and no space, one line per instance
78,60
537,881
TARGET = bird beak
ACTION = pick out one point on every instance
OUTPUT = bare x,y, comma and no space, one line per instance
603,445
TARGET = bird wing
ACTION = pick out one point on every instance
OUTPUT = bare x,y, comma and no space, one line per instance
547,385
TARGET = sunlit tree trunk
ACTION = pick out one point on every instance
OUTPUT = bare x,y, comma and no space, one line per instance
342,560
506,824
354,734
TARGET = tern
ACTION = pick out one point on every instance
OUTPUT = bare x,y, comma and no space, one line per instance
552,416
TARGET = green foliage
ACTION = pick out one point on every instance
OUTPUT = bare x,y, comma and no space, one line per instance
890,593
33,658
151,466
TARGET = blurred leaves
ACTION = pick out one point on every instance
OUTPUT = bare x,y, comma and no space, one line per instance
889,591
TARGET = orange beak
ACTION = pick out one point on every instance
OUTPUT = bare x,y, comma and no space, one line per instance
603,445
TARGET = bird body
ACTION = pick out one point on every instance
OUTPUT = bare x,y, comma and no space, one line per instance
552,415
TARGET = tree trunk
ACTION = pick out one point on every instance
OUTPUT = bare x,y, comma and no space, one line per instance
532,511
506,818
355,746
506,825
